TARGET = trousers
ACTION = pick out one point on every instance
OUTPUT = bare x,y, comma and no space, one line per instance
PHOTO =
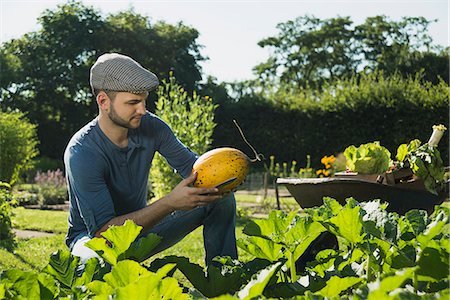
218,220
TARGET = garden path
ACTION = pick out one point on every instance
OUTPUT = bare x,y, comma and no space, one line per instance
28,234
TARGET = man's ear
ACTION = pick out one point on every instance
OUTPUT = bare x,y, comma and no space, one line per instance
103,101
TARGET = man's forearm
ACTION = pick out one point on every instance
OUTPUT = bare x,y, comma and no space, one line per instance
146,217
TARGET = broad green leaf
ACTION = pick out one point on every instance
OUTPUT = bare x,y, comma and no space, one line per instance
49,289
225,297
63,266
395,281
2,291
302,234
378,222
433,229
434,264
124,273
256,286
284,290
349,224
261,248
117,240
25,283
100,288
402,152
140,248
273,228
226,277
404,257
151,287
332,204
418,220
336,285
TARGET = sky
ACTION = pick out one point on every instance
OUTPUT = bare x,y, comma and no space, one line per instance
230,30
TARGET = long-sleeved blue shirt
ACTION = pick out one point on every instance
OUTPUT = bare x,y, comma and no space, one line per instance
105,181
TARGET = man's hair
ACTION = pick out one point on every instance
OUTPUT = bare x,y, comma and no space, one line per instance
110,94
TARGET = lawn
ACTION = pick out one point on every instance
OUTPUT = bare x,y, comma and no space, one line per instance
33,253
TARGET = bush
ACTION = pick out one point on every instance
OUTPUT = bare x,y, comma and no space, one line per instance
18,141
392,110
6,233
52,187
192,121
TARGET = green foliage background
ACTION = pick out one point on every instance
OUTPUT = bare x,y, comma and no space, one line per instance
393,110
18,145
192,121
6,233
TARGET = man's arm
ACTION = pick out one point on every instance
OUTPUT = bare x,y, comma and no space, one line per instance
182,197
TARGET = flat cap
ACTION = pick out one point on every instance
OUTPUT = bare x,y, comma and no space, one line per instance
120,73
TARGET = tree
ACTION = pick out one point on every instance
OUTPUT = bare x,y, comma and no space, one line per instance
48,70
308,51
17,145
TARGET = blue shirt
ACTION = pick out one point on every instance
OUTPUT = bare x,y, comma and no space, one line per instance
105,181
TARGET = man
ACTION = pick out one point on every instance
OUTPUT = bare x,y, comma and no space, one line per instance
107,167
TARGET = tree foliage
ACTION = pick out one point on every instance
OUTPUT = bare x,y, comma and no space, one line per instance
309,51
18,145
46,72
191,118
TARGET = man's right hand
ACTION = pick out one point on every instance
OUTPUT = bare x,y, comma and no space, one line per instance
185,197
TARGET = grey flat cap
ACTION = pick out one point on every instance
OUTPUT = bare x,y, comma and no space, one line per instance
120,73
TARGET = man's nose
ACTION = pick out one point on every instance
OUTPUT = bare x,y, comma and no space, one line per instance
141,108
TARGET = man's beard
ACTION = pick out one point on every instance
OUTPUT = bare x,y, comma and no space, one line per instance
114,117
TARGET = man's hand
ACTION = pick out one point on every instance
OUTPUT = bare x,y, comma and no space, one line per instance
185,197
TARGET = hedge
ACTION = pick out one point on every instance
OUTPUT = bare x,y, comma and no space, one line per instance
290,126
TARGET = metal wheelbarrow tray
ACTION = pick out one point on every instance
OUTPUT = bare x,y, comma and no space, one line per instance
309,192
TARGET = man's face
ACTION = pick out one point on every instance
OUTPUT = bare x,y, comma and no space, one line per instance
127,109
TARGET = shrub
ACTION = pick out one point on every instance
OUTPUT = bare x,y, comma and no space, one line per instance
18,141
191,119
392,110
52,187
6,233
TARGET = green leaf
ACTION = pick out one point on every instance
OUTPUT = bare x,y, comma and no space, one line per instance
273,228
30,285
140,248
256,286
402,152
349,224
417,219
63,265
100,288
49,289
226,277
124,273
382,289
116,240
434,264
370,158
119,243
261,248
336,285
433,229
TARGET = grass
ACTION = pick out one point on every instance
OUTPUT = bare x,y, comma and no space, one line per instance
33,253
40,220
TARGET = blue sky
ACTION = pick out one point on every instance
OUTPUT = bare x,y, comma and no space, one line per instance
230,30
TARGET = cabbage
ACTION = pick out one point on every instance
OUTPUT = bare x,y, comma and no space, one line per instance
370,158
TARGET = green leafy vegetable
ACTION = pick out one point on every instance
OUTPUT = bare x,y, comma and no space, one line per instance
370,158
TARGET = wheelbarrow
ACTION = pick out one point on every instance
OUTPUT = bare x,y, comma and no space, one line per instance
401,197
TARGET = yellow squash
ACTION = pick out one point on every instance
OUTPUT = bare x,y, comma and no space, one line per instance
224,168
